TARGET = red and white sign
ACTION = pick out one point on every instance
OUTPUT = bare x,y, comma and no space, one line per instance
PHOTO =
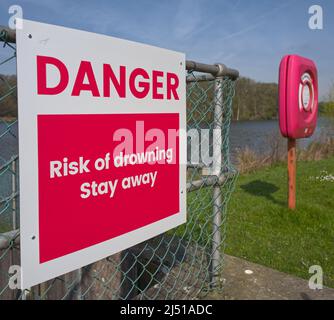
102,153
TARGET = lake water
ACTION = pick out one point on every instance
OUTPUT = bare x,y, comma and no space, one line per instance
255,135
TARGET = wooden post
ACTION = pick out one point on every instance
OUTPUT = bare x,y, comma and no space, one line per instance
292,164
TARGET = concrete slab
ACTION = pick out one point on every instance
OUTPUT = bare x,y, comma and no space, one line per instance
249,281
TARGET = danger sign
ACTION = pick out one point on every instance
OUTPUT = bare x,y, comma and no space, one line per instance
102,154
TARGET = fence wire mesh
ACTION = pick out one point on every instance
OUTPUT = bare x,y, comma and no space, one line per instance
183,263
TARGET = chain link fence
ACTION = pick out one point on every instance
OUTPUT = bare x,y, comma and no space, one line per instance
184,263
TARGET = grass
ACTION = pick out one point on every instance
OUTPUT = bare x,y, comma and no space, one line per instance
261,229
3,228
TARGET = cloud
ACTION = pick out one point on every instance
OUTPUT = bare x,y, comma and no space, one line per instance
259,21
187,19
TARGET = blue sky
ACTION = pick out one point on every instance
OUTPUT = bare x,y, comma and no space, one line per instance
249,35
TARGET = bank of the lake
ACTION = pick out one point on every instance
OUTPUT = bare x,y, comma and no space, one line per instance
261,229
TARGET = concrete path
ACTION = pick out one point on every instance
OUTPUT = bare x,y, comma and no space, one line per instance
249,281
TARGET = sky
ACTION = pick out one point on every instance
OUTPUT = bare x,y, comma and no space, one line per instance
249,35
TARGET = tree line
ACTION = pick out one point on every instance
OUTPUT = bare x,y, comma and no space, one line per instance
255,100
252,101
327,107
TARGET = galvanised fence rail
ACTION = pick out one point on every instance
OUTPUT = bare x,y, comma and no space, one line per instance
184,263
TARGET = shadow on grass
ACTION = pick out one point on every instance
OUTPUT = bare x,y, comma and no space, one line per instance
262,189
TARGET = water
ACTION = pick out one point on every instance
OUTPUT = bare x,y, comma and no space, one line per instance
256,135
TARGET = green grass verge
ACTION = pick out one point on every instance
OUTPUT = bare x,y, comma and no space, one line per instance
261,229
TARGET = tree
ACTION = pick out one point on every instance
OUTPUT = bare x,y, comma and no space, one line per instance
327,107
8,101
255,100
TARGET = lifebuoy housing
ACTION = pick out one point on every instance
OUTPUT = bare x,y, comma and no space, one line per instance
298,97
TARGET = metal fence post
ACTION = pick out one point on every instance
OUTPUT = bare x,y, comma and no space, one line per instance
14,224
217,166
14,190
